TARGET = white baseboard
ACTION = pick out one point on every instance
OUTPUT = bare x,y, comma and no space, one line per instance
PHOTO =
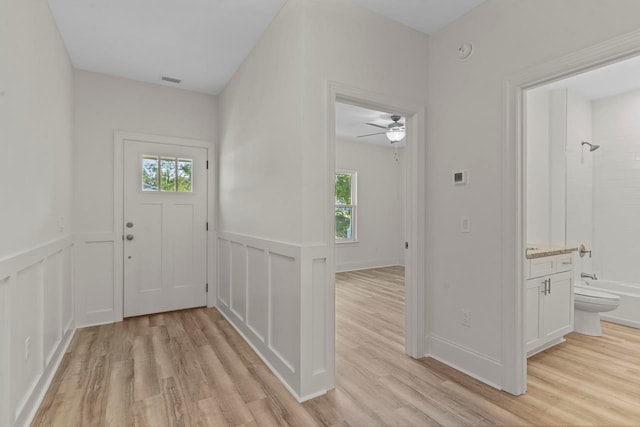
364,265
620,321
546,346
90,325
470,362
32,403
290,389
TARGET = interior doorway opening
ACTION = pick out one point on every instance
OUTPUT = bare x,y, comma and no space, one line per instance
518,332
370,234
413,245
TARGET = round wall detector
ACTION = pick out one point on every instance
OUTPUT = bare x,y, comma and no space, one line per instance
465,50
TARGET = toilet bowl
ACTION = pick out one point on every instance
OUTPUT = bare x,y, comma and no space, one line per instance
588,304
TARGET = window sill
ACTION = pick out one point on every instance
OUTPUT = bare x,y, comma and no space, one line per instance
347,242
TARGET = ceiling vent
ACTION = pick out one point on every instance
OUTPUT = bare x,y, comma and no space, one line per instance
171,79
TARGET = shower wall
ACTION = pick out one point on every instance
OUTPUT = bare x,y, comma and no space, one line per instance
546,169
580,177
616,207
559,171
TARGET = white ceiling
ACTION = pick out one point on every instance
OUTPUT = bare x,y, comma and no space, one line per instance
427,16
607,81
350,123
201,42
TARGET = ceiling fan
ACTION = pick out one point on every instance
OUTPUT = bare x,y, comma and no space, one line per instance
395,130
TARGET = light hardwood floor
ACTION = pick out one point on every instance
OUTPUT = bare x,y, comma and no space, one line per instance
191,368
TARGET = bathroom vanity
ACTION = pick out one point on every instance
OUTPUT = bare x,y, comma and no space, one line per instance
548,297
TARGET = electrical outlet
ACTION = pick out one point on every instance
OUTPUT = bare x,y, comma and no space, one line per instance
466,318
27,348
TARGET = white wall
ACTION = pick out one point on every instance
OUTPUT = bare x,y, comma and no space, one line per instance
380,206
559,170
103,105
260,136
537,128
465,117
616,206
344,44
36,256
558,167
273,153
36,197
579,224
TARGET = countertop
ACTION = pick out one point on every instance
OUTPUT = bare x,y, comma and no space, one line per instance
539,251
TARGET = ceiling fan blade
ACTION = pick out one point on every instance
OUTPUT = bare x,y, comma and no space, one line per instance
371,134
377,125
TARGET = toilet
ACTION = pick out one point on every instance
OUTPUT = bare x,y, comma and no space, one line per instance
588,304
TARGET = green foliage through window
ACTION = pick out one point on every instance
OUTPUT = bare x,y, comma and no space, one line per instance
345,206
168,174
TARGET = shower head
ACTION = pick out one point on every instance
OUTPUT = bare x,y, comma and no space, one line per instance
592,147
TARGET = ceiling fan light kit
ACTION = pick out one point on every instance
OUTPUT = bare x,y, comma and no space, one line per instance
395,131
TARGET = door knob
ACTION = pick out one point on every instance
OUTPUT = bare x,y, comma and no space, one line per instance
129,236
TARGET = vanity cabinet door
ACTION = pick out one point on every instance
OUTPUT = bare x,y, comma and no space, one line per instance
533,310
557,307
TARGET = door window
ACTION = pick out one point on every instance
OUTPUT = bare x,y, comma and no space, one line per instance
166,174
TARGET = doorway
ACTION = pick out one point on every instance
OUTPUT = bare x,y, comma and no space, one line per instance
164,223
516,266
413,245
370,234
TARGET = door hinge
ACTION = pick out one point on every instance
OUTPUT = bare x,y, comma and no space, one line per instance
406,245
207,164
207,288
207,226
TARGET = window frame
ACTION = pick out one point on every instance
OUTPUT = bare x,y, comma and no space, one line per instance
353,206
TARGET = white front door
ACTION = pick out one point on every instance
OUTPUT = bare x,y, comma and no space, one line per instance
164,227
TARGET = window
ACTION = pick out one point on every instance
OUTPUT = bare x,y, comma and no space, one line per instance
345,206
167,174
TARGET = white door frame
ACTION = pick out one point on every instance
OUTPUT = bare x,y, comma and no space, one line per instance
118,210
415,214
514,227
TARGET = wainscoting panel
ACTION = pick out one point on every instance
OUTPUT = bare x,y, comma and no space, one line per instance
317,338
319,272
52,312
224,271
279,294
253,270
284,312
257,292
238,279
95,273
36,325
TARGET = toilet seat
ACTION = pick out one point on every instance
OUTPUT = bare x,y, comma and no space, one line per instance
587,294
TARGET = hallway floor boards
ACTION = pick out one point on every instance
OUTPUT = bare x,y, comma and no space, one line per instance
191,368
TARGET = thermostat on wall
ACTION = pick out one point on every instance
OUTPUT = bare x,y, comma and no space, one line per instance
461,177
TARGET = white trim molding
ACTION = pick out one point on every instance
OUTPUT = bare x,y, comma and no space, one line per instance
514,376
36,325
456,356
